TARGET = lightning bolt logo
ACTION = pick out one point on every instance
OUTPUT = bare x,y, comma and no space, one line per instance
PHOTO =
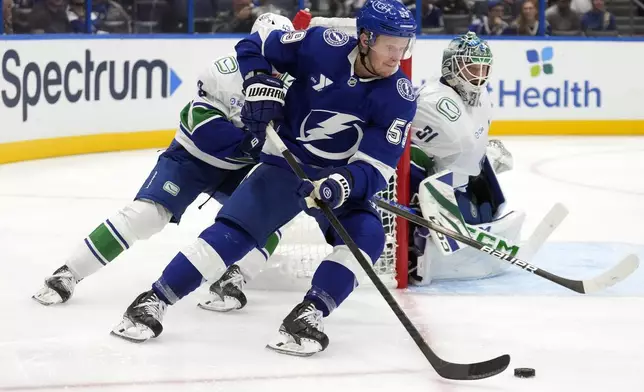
327,129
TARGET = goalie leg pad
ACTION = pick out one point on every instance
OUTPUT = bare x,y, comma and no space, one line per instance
469,263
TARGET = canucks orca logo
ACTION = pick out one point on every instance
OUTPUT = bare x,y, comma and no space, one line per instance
331,135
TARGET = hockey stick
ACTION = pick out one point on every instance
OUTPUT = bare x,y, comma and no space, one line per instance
615,275
548,224
452,371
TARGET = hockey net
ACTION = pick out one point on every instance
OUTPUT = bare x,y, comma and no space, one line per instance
303,246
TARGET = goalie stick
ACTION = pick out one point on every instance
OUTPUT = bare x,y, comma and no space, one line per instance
609,278
449,370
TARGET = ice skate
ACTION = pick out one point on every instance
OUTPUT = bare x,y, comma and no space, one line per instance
142,319
301,332
58,288
226,294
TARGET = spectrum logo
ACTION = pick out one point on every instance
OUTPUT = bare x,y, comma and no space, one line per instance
540,62
28,84
542,89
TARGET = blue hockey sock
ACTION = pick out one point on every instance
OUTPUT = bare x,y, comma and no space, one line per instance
217,247
331,285
178,279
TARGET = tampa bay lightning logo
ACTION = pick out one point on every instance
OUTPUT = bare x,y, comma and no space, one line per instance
335,37
405,89
331,135
382,7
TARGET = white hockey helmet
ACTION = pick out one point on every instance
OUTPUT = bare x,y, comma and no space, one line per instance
269,21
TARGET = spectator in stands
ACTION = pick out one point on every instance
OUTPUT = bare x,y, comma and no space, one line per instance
107,17
279,7
76,16
111,17
561,17
7,20
493,23
239,19
512,8
49,16
528,21
581,6
432,15
453,7
598,19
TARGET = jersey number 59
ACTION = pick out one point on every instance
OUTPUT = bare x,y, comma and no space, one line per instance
396,131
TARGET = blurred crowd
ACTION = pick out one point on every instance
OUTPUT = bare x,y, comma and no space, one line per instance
485,17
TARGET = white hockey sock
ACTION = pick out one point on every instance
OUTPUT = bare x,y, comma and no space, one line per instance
255,261
137,221
252,264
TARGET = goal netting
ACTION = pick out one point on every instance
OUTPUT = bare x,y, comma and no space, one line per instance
303,246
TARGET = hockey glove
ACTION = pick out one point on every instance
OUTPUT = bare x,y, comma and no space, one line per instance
264,102
250,147
333,190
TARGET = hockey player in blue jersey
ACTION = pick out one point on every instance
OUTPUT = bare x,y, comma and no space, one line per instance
346,118
211,153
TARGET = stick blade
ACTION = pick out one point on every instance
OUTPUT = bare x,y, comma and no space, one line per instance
474,371
619,272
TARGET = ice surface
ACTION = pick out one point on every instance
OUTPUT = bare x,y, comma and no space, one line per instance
576,343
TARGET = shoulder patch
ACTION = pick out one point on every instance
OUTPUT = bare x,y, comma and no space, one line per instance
405,89
227,65
335,37
448,108
293,36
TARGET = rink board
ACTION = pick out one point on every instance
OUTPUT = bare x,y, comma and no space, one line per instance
75,94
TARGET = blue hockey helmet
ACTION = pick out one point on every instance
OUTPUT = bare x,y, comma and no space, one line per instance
387,17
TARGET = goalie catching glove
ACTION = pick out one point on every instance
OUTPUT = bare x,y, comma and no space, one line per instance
333,190
263,104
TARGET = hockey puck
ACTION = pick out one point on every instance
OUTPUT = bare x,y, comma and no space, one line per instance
524,372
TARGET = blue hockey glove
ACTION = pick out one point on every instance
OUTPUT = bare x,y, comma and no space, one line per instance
333,190
250,147
264,102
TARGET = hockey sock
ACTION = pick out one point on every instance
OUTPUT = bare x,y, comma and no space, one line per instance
255,261
331,285
217,247
335,278
138,220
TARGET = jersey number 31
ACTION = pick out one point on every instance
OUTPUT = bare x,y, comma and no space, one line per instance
426,134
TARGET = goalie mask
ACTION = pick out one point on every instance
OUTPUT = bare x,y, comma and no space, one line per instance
467,62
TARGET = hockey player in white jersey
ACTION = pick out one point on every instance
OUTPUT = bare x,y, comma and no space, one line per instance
451,152
346,119
211,153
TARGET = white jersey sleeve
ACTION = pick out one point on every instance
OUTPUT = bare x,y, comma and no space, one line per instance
220,86
452,133
210,126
